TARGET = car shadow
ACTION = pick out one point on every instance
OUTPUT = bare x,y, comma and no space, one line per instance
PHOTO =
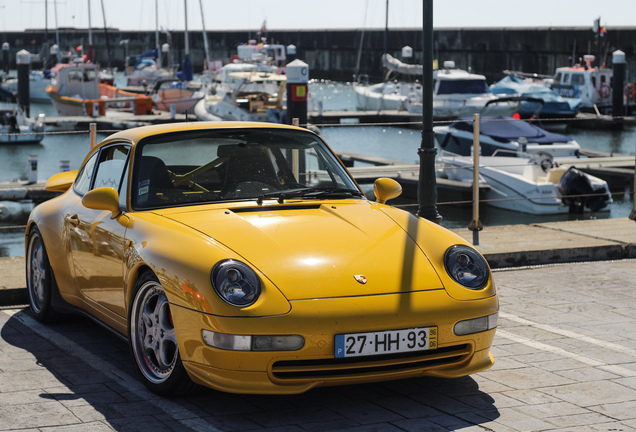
83,374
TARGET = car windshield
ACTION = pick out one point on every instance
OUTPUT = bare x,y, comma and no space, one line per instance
216,165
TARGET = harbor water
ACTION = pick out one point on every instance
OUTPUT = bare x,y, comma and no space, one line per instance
391,142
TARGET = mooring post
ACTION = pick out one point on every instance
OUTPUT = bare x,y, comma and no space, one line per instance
632,215
23,62
5,57
297,79
475,225
92,127
618,86
33,168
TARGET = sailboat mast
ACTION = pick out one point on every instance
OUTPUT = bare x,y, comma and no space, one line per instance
157,47
386,25
106,33
90,30
205,38
187,47
57,33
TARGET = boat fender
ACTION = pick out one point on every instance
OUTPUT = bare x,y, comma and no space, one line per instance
544,160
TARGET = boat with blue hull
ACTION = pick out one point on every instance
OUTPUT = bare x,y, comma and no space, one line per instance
504,133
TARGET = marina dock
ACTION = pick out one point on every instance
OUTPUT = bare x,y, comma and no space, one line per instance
115,120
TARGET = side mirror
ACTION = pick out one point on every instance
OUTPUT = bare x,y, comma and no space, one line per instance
104,198
385,189
60,182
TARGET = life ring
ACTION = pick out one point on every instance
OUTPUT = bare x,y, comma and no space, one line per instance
604,91
630,90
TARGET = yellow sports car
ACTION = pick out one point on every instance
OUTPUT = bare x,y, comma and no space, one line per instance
244,257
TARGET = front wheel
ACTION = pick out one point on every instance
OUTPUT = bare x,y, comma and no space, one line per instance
153,340
40,282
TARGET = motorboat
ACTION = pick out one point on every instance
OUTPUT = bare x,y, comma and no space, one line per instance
584,81
391,94
76,91
17,128
38,82
458,93
523,183
245,91
504,133
145,70
168,92
553,106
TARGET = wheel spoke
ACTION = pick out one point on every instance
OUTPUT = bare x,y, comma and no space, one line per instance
155,336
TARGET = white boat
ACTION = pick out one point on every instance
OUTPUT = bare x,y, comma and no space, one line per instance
169,92
525,184
504,133
245,92
17,128
590,84
38,82
76,91
456,93
390,94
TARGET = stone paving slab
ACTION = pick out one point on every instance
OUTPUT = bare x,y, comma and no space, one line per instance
561,375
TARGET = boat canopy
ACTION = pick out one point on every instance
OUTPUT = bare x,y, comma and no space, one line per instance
506,129
396,65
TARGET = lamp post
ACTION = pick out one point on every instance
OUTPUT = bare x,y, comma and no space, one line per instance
427,186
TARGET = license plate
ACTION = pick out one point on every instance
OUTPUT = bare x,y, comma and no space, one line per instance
386,342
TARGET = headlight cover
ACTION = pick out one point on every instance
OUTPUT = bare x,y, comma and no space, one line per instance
236,283
466,266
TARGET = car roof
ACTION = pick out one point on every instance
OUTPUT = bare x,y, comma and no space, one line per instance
134,135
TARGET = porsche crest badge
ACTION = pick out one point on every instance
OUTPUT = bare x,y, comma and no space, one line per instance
360,278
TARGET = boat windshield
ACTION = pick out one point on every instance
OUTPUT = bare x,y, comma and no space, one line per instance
216,165
475,86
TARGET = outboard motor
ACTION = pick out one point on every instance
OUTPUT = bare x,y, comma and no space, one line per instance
576,189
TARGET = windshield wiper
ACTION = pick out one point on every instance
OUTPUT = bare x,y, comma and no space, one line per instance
310,193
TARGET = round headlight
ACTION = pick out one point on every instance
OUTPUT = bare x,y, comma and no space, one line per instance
466,266
236,283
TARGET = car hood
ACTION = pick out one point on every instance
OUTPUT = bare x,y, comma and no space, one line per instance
321,250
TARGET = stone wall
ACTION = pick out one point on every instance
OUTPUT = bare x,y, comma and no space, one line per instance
333,54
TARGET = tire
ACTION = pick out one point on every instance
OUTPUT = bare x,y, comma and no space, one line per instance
153,341
39,278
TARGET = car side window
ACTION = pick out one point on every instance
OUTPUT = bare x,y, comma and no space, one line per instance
83,181
110,167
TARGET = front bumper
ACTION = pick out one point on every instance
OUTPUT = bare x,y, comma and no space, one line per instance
318,321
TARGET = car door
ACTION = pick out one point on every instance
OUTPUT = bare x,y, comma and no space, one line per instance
96,237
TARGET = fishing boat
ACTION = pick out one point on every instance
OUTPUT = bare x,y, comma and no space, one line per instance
17,128
584,81
553,106
522,183
76,91
504,133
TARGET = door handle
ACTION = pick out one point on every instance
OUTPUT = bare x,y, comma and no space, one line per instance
73,220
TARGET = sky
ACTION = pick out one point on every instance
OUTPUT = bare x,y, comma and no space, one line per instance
18,15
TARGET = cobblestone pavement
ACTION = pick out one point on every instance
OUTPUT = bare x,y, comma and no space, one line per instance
565,361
